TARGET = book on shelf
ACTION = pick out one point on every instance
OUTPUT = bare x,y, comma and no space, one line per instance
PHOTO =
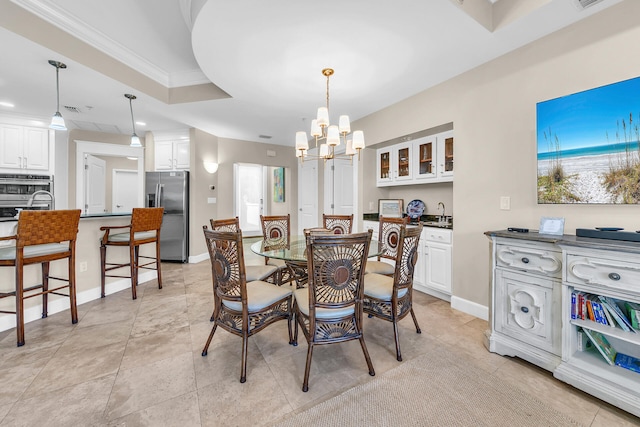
600,342
584,343
581,306
574,309
590,315
628,362
608,315
633,310
616,313
596,308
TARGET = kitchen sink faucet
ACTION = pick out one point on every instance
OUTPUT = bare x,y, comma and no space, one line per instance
442,216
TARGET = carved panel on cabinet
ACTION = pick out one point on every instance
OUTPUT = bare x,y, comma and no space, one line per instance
535,260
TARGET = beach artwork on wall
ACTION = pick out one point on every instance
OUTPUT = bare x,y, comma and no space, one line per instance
588,148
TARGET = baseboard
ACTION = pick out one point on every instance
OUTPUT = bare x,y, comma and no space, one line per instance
198,258
61,303
470,307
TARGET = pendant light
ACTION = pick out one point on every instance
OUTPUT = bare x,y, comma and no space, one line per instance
135,141
57,122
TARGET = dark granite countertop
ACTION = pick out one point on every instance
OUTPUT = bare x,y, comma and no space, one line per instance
570,240
86,216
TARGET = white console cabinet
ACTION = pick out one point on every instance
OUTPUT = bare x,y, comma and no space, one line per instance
535,278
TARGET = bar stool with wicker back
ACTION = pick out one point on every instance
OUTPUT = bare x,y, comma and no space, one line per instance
144,228
42,237
339,224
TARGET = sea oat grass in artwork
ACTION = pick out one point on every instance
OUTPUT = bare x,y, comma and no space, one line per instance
551,190
624,183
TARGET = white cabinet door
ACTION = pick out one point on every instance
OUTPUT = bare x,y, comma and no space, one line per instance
384,174
445,156
402,156
164,155
439,267
425,158
420,272
181,155
11,146
36,148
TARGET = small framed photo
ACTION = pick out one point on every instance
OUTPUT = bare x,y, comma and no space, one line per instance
391,208
550,225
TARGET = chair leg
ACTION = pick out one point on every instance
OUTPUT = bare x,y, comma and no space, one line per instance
245,344
20,305
290,320
103,266
158,269
415,321
372,372
206,346
72,289
45,288
133,268
305,383
395,335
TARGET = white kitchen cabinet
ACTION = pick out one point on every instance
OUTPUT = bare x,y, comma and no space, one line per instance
24,148
421,161
172,155
434,266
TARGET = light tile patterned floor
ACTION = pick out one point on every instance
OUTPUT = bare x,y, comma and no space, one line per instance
139,363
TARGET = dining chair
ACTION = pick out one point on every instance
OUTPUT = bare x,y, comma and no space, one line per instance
241,308
277,230
143,229
391,298
330,310
389,236
298,268
42,237
339,224
267,272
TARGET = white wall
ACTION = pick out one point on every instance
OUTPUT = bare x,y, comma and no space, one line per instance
493,112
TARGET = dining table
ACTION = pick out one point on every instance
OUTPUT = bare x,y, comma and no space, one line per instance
294,253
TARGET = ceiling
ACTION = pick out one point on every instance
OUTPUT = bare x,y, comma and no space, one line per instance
250,69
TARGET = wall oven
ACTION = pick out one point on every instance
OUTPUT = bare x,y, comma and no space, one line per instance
18,191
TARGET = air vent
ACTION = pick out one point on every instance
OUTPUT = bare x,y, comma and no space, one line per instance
583,4
72,109
264,136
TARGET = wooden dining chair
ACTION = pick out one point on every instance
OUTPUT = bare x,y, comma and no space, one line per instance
241,308
389,236
143,229
339,224
391,298
277,230
42,237
330,310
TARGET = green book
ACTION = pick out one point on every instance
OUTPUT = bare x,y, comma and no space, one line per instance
634,313
600,342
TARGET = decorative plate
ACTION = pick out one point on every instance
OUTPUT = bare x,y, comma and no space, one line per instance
415,209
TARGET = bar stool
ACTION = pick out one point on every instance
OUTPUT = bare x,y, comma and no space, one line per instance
42,237
144,228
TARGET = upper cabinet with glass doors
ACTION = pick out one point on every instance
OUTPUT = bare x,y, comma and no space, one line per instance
421,161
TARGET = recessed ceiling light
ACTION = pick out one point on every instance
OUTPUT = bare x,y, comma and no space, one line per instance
141,123
6,104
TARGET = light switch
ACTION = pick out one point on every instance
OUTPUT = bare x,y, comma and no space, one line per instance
505,203
211,199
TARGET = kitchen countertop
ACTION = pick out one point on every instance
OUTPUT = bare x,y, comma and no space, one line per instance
85,216
426,220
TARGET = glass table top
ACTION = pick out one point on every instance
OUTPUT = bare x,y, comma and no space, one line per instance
296,250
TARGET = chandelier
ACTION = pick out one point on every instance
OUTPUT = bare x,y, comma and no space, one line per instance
329,135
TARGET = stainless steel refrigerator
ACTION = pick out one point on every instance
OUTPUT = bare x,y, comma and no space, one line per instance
170,190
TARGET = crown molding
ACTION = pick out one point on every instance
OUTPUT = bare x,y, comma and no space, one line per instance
52,13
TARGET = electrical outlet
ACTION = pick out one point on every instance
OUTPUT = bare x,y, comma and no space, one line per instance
505,203
83,266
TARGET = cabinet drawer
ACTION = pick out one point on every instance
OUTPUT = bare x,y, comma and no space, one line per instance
537,260
436,235
612,274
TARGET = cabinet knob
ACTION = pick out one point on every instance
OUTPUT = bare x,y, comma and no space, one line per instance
524,309
614,276
525,260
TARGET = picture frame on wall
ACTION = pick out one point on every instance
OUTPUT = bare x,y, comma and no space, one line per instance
278,185
390,208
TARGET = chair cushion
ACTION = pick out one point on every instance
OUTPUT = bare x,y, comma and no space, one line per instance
380,287
277,262
302,300
124,237
7,253
380,267
259,295
259,272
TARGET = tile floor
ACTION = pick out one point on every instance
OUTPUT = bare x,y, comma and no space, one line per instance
130,363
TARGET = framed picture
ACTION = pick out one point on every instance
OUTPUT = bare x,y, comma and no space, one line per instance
553,226
278,185
392,208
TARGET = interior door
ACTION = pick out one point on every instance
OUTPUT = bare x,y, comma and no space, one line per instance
122,198
341,188
95,184
307,195
249,192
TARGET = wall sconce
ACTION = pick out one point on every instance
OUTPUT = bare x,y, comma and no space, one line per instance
210,167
